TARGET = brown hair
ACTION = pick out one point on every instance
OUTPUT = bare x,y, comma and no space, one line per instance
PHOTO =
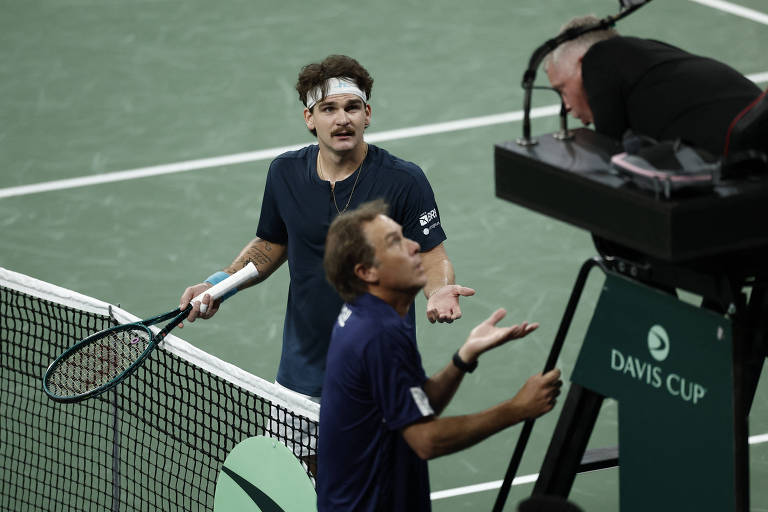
316,74
346,246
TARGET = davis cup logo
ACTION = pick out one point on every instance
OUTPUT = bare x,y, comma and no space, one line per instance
658,343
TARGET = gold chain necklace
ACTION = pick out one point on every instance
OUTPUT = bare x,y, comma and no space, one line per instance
333,194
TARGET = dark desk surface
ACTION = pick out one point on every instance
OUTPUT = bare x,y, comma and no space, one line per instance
571,181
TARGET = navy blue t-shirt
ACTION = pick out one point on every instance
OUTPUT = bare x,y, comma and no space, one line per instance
373,388
298,209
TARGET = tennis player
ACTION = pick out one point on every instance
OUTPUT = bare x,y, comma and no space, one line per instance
379,418
306,190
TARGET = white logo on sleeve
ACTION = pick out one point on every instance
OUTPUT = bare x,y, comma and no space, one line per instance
422,401
426,220
344,315
425,217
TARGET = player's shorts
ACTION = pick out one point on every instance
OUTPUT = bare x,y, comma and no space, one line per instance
300,438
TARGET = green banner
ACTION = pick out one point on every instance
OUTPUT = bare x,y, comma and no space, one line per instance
669,365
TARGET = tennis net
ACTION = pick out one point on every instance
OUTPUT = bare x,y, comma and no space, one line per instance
155,442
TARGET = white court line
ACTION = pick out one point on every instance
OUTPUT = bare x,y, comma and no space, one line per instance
254,156
759,78
266,154
738,10
527,479
156,170
488,486
462,124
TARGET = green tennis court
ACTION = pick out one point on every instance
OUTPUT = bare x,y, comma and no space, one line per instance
135,139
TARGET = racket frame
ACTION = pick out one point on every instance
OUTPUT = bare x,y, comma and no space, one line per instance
178,315
248,272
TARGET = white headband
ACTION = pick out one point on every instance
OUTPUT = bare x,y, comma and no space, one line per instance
336,85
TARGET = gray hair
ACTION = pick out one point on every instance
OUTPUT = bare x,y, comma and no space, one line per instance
572,50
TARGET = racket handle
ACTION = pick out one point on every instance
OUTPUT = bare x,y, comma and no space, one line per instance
216,291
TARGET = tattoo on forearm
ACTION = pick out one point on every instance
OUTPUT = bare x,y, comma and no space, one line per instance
266,256
258,257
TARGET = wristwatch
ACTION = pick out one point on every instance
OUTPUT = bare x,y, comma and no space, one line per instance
461,365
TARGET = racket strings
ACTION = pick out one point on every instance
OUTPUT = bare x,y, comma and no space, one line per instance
98,363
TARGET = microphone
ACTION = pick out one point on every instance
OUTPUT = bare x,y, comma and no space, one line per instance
564,133
530,75
527,84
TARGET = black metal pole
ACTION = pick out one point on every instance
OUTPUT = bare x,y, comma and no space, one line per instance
554,353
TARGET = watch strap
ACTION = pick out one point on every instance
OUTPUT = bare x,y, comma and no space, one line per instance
459,363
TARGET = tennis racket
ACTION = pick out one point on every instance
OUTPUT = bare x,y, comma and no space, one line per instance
104,359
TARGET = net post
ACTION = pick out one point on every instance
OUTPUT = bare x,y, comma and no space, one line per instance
115,452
